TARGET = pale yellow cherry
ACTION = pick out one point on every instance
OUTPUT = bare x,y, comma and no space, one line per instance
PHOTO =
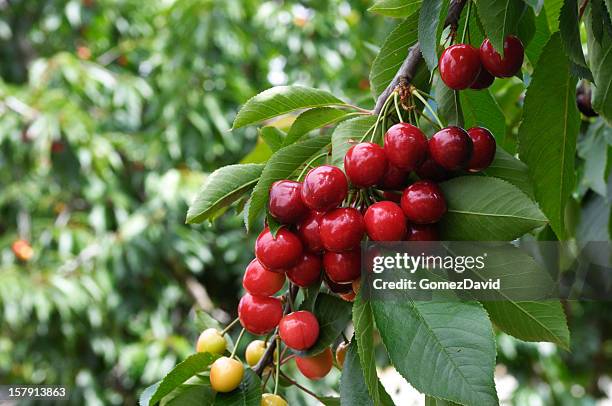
268,399
211,341
226,374
254,351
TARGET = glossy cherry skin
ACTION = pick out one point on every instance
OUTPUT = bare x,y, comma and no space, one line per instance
285,202
365,164
280,252
459,66
451,148
211,341
430,170
394,178
422,232
342,267
405,146
339,288
583,101
299,330
254,351
324,188
342,229
258,281
316,367
511,62
484,149
226,374
423,202
385,221
307,271
308,231
484,80
394,197
258,314
269,399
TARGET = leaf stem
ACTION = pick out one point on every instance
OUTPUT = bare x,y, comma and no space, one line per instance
237,342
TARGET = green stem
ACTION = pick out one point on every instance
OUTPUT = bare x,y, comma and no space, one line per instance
397,109
309,163
237,342
278,352
381,116
229,326
428,107
467,21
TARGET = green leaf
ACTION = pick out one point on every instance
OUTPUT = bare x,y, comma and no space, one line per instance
510,169
569,27
443,349
330,401
540,38
273,137
499,18
221,188
431,401
395,8
481,109
600,58
247,394
553,10
280,100
487,209
449,104
312,119
527,26
593,149
347,133
190,394
429,31
281,165
547,135
353,390
595,218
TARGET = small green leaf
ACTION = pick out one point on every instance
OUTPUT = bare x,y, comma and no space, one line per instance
430,30
195,393
510,169
540,38
313,119
347,134
273,224
593,149
395,8
553,10
500,18
273,137
247,394
431,401
481,109
330,401
570,35
353,390
600,59
449,104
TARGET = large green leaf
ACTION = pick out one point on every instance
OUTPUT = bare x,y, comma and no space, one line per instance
443,349
429,31
449,104
569,27
280,100
431,401
547,135
195,393
500,18
511,169
247,394
593,148
480,109
312,119
273,137
353,389
348,133
221,188
487,209
540,38
600,58
553,10
395,8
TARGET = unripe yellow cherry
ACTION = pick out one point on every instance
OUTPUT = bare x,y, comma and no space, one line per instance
268,399
254,351
341,354
211,341
226,374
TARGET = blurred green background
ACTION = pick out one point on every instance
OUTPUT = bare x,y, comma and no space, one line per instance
112,112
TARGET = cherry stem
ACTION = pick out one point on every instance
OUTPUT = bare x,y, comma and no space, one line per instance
297,385
287,359
309,164
229,326
291,297
346,340
466,27
381,116
428,107
278,352
237,342
397,109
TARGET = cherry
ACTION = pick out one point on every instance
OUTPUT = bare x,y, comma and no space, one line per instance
307,271
385,221
317,366
405,146
269,399
451,148
341,353
484,149
211,341
348,296
430,170
254,351
342,267
299,330
394,178
259,281
394,197
583,101
339,288
324,188
484,80
226,374
423,202
286,201
459,66
422,232
342,229
258,314
511,62
308,231
280,252
365,164
23,250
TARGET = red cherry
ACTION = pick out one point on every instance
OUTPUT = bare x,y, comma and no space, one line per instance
307,271
405,146
484,149
259,314
308,231
394,197
422,232
316,367
280,252
342,267
430,170
459,66
365,164
339,288
286,201
451,148
484,80
324,188
299,330
423,202
507,66
342,229
385,221
394,178
259,281
583,100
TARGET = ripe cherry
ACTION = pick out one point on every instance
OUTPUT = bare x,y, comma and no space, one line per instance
339,288
226,374
394,197
254,351
269,399
316,367
430,170
484,80
259,281
451,148
308,231
405,146
365,164
23,250
341,353
511,62
394,178
459,66
299,330
484,149
280,252
285,202
342,229
348,296
342,267
385,221
258,314
307,271
583,100
423,202
211,341
422,232
324,188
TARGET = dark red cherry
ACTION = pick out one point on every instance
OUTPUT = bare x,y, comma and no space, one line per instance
423,202
307,271
339,288
484,80
342,267
451,148
286,201
484,149
430,170
394,197
308,231
394,178
583,100
259,314
405,146
385,221
278,253
342,229
365,164
422,232
324,188
259,281
511,62
459,66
